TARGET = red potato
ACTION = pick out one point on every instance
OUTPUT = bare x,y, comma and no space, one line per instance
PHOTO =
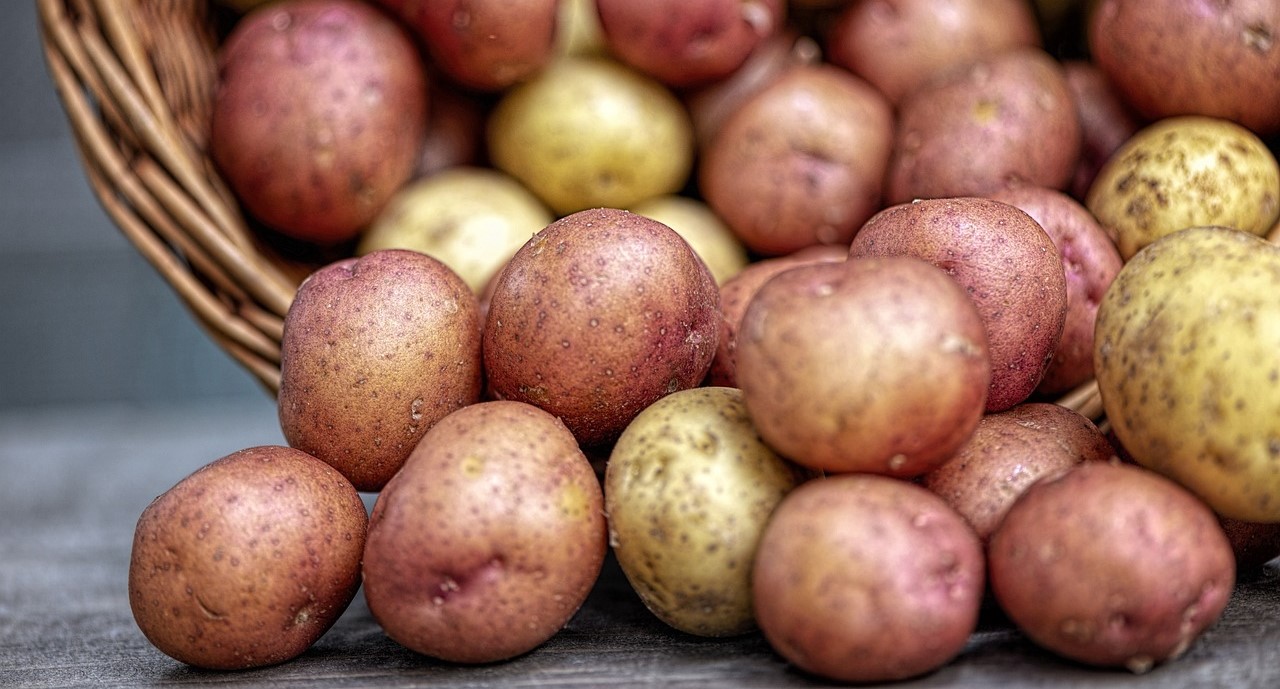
248,561
596,317
487,45
736,294
375,350
687,42
1007,264
1004,120
899,45
319,115
1106,121
490,538
802,162
1191,57
1007,453
863,578
1091,262
1112,565
455,130
831,359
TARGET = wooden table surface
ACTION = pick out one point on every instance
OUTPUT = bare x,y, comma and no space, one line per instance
73,482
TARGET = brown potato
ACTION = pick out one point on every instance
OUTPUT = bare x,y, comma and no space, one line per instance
248,561
1005,261
831,359
1172,57
1111,564
1091,262
900,45
800,163
863,578
683,43
737,292
596,317
319,115
1008,452
375,350
490,538
1007,119
487,45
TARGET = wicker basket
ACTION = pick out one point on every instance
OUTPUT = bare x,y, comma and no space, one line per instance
135,78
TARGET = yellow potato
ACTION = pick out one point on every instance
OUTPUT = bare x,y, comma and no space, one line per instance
1185,172
1185,356
592,133
470,219
706,232
688,489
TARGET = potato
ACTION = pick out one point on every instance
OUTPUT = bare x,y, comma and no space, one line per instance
578,30
711,104
1172,57
1112,565
708,235
1091,262
455,130
688,488
1106,121
472,219
590,132
490,538
831,357
800,163
736,293
863,578
1182,172
900,45
596,317
682,43
1254,544
1185,357
375,350
1007,264
1008,452
318,116
486,45
1007,119
248,561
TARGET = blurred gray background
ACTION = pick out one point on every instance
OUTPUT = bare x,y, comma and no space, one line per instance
85,319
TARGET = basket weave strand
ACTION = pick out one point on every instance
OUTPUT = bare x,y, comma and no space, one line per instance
134,77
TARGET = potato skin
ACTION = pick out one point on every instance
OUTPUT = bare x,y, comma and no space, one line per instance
1185,358
1005,261
831,355
736,293
1106,121
688,489
1091,262
1008,452
490,538
375,350
596,317
247,561
863,578
801,162
900,45
319,115
1180,57
1184,172
1007,119
487,45
683,43
1111,564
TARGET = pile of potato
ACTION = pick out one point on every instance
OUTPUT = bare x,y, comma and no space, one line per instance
771,300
